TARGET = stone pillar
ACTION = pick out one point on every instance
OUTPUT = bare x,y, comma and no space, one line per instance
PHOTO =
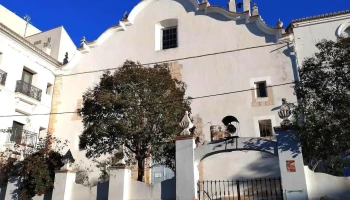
64,179
119,181
12,188
187,175
63,185
291,164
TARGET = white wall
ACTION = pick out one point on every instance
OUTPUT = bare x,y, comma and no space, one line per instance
98,192
320,185
14,58
240,165
308,34
16,23
60,42
198,34
161,191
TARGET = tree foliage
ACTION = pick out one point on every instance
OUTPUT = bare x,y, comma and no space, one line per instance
36,171
324,105
136,107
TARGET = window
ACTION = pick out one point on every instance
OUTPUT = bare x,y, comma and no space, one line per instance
42,132
49,89
17,131
261,90
265,128
169,37
27,76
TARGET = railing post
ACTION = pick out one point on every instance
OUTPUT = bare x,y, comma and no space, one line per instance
238,190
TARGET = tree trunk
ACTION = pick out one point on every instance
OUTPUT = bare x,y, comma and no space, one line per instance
140,169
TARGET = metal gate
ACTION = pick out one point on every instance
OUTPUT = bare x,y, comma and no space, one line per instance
256,189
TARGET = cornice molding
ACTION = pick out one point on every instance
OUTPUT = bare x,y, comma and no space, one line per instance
29,45
264,27
318,20
228,14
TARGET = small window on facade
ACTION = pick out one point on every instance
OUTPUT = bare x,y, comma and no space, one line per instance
49,89
261,90
27,76
169,37
17,132
265,128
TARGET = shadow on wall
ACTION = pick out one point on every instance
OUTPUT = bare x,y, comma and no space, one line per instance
189,7
290,54
252,27
2,192
98,192
165,190
265,167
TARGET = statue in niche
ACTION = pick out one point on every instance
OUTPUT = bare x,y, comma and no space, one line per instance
65,60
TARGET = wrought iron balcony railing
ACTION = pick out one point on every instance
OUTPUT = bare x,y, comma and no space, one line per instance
3,76
21,137
29,90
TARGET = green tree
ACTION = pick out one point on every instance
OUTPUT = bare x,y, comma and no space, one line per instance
136,107
323,109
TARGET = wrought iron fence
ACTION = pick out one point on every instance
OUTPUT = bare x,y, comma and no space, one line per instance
3,76
21,137
29,90
257,189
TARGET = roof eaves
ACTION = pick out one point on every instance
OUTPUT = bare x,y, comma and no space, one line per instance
321,16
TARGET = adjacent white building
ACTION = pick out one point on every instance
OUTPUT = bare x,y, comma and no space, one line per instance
27,77
243,64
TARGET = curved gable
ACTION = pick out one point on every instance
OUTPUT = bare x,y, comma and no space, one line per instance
145,7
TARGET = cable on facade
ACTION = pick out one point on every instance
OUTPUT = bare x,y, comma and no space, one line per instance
173,60
166,102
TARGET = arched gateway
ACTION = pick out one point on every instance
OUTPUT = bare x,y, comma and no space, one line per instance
291,185
269,188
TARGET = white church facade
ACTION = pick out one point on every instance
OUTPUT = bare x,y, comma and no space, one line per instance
233,61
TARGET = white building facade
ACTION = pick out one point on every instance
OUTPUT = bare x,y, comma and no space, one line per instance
244,66
27,77
307,32
213,51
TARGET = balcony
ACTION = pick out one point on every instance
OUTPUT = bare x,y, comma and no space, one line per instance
28,90
3,76
21,137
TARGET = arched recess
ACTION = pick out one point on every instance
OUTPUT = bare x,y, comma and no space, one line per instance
344,29
235,144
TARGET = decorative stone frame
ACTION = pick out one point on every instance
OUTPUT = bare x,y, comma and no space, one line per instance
266,101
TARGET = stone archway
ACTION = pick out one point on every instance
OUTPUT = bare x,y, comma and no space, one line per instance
215,184
287,148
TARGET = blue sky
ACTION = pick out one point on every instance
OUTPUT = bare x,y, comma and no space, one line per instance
91,17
